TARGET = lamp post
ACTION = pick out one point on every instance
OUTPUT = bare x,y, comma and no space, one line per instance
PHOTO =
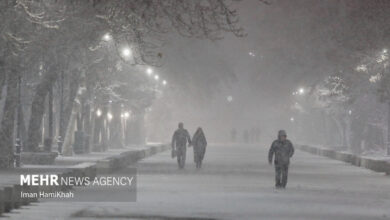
149,71
107,37
109,116
126,52
301,91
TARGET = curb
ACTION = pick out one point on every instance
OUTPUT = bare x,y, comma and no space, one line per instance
10,194
376,165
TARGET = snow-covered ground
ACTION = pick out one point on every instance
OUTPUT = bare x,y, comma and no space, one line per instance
236,183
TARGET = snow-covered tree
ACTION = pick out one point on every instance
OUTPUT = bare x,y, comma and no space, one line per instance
62,41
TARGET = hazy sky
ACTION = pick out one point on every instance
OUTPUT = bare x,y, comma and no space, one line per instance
291,42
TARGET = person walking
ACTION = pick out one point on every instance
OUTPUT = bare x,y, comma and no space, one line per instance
179,144
283,150
199,144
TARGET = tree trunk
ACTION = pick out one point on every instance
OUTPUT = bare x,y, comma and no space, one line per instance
91,131
73,89
21,127
138,128
104,129
74,121
8,122
67,147
324,129
97,132
61,107
87,125
50,120
340,131
388,130
116,137
2,83
37,110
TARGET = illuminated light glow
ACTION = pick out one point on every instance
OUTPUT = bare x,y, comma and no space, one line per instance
98,112
126,52
292,119
229,98
375,78
361,68
301,91
156,77
383,56
149,71
164,82
107,37
126,115
109,116
251,54
350,112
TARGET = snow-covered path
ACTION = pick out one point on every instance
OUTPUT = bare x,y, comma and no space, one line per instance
236,183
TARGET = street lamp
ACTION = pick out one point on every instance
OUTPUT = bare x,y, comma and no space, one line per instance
301,91
109,116
98,112
156,77
126,52
164,82
149,71
107,37
125,115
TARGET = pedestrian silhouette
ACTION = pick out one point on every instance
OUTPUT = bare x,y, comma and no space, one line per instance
179,145
283,150
199,144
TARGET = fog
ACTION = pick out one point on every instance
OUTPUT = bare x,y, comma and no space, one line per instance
195,109
289,45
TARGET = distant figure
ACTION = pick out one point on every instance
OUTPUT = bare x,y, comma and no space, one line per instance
179,144
252,135
283,150
233,135
199,144
246,136
258,134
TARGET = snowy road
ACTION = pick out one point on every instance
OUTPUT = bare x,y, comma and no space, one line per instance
237,183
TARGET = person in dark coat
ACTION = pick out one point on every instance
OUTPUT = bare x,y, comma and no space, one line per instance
179,144
199,144
283,150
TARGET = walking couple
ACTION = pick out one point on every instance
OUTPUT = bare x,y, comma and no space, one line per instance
179,145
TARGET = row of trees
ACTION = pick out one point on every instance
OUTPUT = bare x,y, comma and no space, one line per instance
351,107
352,104
69,59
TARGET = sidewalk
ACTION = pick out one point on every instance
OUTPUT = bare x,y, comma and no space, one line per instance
77,165
377,164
